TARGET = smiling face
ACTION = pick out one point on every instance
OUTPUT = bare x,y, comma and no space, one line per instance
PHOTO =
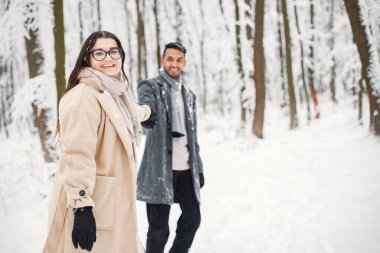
173,62
107,66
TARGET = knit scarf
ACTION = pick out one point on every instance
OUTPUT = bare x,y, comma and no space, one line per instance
120,92
178,129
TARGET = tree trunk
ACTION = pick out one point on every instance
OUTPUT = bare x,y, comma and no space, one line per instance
6,96
145,62
360,100
129,35
360,37
156,19
248,16
99,16
203,65
281,47
239,62
59,37
333,66
249,32
178,26
80,22
35,60
3,119
223,15
289,70
220,97
332,81
310,69
302,66
259,65
140,42
33,51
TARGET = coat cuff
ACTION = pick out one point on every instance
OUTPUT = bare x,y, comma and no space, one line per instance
77,197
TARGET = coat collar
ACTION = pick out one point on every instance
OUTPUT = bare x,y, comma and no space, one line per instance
161,81
93,82
163,86
108,104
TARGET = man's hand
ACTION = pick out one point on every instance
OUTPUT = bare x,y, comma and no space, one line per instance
149,123
201,179
84,230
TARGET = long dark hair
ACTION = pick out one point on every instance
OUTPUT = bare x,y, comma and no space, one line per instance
83,61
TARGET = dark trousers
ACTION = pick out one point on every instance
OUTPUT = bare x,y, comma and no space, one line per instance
187,224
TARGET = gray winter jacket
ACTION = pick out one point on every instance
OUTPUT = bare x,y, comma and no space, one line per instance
154,180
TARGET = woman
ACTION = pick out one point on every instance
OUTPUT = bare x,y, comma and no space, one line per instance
93,203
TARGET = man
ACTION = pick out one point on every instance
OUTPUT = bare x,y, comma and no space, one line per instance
171,169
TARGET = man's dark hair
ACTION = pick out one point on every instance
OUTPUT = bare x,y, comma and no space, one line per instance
175,45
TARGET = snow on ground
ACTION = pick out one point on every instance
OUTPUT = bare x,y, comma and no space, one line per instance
312,190
315,189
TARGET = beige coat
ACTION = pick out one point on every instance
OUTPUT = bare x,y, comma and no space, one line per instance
97,155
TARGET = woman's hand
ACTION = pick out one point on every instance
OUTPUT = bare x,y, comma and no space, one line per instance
84,230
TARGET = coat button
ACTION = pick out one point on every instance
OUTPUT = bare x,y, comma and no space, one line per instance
169,151
82,193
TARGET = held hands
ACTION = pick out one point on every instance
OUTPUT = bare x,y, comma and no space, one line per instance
149,123
84,230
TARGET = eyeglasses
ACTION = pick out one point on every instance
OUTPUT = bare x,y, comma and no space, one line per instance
100,54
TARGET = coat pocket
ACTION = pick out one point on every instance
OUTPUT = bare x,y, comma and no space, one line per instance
104,197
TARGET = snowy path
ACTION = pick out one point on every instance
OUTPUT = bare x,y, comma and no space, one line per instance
315,190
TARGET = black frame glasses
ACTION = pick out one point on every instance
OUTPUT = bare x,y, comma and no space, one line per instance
115,53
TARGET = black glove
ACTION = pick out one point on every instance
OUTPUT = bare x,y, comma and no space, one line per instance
201,179
84,230
149,123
